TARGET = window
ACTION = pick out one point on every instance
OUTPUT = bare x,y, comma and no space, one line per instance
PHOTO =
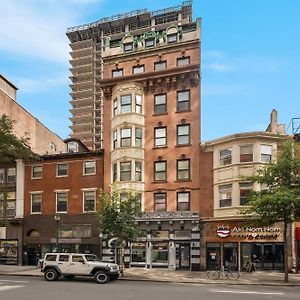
125,137
125,104
160,65
246,153
115,172
183,169
225,195
160,104
265,153
138,104
61,202
36,203
149,42
172,38
138,69
160,201
1,204
183,134
138,137
183,100
245,190
36,171
183,201
225,157
63,257
125,171
115,108
72,147
182,61
89,201
77,258
138,171
89,167
117,73
62,169
115,139
128,47
11,175
160,171
160,137
10,204
2,175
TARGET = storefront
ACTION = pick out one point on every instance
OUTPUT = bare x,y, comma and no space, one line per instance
8,252
234,244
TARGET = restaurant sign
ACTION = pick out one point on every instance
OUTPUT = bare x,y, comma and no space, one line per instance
257,233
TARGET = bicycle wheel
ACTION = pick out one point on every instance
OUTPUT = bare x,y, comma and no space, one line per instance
213,274
232,275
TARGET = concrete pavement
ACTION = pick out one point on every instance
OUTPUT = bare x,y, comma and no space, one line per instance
165,275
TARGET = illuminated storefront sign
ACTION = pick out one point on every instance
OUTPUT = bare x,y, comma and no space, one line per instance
224,231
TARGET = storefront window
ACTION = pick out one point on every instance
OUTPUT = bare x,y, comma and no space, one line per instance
8,252
213,254
160,253
230,257
138,252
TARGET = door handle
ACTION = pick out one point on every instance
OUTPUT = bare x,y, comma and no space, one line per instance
72,264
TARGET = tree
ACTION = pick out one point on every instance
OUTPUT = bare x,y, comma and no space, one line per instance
12,147
280,201
116,218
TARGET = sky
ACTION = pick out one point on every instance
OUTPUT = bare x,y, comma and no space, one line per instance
250,58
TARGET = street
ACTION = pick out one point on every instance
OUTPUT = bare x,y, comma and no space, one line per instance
36,288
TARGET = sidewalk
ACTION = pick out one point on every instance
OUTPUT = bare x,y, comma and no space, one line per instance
165,275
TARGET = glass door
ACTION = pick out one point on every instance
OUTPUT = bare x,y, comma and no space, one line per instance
230,255
268,257
213,256
182,256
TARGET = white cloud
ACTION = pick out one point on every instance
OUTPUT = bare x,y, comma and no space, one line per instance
37,29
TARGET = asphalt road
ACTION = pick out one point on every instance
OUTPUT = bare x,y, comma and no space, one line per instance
36,288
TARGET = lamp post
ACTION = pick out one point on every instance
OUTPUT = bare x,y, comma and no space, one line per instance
57,218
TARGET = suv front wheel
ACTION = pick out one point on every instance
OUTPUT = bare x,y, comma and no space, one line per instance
51,275
101,277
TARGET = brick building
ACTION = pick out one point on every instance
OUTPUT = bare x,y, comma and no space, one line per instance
60,196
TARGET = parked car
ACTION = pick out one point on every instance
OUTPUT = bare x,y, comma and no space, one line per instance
69,265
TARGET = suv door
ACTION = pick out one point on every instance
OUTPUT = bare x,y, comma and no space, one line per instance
78,265
63,263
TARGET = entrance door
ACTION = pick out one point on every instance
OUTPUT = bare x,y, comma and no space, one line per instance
33,255
268,256
230,257
213,256
182,256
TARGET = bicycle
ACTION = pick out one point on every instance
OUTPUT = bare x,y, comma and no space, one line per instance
224,272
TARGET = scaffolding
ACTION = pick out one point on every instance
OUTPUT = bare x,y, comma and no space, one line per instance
294,125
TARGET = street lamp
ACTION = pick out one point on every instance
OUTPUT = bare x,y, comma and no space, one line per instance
57,218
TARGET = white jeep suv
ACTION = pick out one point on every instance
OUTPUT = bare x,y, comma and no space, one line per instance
69,265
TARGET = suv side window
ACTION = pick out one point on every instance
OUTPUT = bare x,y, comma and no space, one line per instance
77,258
51,257
64,257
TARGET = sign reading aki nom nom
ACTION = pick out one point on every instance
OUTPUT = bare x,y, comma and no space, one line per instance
262,233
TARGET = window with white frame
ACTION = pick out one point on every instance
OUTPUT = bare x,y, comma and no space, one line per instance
160,137
89,201
183,61
246,153
89,167
125,104
160,65
138,104
117,73
115,107
172,38
125,171
225,157
138,69
183,100
160,170
225,197
36,172
11,175
160,202
128,47
150,42
160,103
126,137
115,172
183,169
138,171
11,204
115,139
183,201
61,202
265,153
138,137
245,189
62,169
36,203
183,134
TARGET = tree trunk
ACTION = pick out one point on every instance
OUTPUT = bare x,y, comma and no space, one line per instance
286,252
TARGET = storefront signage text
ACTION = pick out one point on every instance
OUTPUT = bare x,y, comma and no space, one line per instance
224,231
